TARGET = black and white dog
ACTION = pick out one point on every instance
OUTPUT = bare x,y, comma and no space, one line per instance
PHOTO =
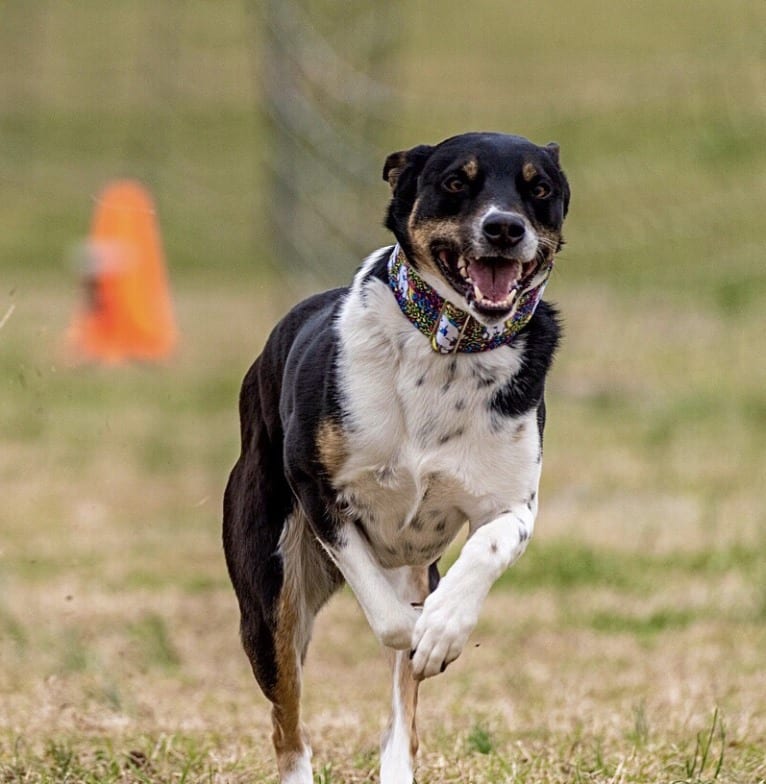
380,418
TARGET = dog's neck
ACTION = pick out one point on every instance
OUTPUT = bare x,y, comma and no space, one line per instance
449,328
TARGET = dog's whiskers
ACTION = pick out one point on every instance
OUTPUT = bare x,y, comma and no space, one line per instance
544,254
547,242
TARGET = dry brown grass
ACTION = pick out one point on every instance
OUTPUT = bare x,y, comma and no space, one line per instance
635,614
639,610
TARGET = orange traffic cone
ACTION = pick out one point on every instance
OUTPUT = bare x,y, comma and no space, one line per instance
128,313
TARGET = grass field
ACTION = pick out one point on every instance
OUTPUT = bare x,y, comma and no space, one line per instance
627,646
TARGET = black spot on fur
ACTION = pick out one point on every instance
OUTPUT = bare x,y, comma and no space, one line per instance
447,437
363,296
483,378
449,377
484,381
541,420
419,381
459,404
441,525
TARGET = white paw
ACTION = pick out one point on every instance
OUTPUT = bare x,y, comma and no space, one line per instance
440,633
296,769
395,764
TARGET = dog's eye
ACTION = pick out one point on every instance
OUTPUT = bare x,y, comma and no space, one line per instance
541,190
453,184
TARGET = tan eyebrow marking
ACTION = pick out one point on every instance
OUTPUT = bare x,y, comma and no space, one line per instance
471,168
528,172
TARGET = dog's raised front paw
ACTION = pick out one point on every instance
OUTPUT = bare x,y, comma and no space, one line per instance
440,634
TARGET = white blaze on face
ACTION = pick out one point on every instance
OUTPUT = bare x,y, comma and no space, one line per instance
525,250
497,276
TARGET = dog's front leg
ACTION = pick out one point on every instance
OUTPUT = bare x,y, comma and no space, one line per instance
400,741
450,613
391,619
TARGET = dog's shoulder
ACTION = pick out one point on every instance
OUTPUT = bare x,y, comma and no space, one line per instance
297,356
307,335
308,320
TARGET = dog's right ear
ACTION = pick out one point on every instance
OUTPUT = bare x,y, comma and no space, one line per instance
397,162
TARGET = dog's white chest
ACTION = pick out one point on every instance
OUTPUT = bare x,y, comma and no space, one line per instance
426,451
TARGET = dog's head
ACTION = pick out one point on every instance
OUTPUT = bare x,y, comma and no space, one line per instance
478,215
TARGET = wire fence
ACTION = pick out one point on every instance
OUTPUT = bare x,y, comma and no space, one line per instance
324,71
258,124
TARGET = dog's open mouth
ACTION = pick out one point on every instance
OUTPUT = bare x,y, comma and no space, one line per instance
492,283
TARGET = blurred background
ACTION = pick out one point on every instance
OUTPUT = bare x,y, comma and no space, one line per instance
260,129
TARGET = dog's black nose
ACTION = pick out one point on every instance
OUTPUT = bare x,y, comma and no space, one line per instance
504,228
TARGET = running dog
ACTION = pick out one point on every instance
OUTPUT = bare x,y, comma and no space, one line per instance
382,417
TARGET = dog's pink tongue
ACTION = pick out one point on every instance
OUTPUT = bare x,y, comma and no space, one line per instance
495,279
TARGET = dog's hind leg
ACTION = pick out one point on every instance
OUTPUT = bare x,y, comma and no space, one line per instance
309,579
282,578
290,740
400,740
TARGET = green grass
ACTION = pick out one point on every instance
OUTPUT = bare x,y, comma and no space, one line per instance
563,565
151,636
626,646
479,740
706,761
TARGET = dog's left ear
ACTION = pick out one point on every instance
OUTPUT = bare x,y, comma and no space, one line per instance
553,150
397,162
393,166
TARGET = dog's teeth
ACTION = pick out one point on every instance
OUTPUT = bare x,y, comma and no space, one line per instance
477,292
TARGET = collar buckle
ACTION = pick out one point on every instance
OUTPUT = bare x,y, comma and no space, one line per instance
448,315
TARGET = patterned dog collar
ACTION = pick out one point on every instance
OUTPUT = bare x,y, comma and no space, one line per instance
450,329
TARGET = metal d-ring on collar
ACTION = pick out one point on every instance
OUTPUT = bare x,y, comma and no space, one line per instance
435,333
